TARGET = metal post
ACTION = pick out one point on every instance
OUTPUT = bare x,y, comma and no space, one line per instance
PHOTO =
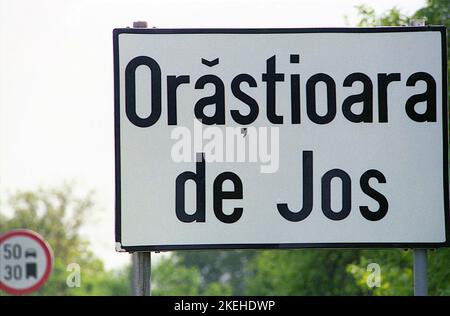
140,24
420,272
420,255
141,273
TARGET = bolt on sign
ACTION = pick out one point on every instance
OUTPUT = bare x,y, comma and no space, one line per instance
281,138
25,262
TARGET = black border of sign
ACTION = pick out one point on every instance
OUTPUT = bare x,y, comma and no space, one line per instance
117,32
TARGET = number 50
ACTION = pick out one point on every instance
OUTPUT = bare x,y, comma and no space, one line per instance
13,251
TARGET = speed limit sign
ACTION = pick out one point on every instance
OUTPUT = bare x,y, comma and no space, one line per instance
25,262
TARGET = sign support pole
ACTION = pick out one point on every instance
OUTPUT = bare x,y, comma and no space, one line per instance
141,273
420,255
420,272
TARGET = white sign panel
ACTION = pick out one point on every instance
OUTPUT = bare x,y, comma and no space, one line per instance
266,138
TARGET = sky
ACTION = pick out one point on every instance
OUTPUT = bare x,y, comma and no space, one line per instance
56,84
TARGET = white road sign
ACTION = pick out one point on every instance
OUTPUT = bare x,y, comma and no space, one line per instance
266,138
25,262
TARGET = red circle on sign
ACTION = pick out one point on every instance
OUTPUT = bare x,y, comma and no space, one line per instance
48,255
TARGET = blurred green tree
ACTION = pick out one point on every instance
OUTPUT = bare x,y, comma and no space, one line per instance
302,272
57,215
220,267
368,17
174,276
171,278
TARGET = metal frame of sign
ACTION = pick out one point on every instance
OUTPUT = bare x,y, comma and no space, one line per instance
118,237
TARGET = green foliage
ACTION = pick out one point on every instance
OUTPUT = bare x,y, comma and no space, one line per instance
172,277
397,274
219,267
439,268
395,269
368,17
302,272
57,215
297,272
436,12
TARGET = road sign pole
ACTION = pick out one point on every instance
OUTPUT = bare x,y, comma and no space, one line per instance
141,277
141,273
420,255
420,272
